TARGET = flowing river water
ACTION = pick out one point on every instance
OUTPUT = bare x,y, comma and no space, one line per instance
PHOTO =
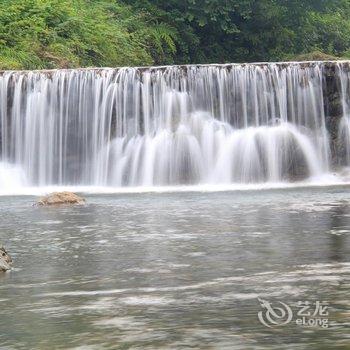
181,270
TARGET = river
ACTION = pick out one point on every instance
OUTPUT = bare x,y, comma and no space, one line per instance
176,270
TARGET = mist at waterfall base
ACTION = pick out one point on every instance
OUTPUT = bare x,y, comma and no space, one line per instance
170,128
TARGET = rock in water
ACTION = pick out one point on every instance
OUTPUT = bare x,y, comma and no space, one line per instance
5,260
58,198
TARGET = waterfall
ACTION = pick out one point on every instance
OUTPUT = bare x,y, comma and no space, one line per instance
344,124
174,125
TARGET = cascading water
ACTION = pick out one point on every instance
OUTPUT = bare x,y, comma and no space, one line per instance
215,124
344,124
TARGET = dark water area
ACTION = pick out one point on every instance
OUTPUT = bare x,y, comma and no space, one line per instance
176,270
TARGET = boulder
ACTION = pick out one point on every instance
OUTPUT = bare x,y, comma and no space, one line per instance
5,260
58,198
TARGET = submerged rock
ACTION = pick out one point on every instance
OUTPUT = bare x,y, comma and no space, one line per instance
58,198
5,260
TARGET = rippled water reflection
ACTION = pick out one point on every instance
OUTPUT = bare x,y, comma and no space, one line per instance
175,271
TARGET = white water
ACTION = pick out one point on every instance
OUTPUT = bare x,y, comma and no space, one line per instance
344,124
168,126
11,176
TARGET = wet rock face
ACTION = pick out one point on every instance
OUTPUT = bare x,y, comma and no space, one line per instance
5,260
333,109
59,198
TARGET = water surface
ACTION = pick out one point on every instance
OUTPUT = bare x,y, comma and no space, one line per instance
175,270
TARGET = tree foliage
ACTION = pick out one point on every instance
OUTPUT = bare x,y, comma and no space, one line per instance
38,34
253,30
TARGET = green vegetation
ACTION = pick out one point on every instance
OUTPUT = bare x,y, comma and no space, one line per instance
37,34
313,56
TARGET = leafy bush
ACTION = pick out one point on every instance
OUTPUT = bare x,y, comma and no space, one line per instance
38,34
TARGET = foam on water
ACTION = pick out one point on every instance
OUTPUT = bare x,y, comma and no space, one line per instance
324,181
12,177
